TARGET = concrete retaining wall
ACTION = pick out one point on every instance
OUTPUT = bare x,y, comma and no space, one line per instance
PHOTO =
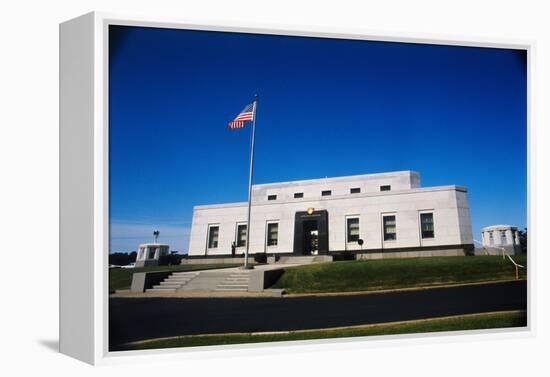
497,251
263,279
145,280
414,254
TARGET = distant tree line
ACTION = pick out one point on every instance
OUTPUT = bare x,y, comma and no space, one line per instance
170,259
523,240
122,259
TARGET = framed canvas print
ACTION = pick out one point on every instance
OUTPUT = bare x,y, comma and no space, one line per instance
224,186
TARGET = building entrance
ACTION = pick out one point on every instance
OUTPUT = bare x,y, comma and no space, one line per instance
311,233
311,237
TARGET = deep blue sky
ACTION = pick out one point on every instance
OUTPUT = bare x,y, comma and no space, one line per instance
327,107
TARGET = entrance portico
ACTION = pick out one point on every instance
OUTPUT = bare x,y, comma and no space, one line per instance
311,232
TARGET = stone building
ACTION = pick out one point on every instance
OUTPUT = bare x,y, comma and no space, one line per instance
497,237
389,212
148,254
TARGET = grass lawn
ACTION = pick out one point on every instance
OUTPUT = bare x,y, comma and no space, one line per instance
455,323
369,275
121,278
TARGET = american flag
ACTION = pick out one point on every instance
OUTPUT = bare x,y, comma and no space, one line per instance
244,116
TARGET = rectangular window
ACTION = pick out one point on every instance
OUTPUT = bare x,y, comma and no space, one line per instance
427,225
491,239
355,190
503,237
326,193
272,234
385,188
272,197
298,195
353,229
390,233
241,235
213,232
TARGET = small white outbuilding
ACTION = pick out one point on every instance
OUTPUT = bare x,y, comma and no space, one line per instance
497,237
149,254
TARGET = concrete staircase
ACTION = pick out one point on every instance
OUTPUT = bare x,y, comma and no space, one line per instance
218,281
174,282
235,282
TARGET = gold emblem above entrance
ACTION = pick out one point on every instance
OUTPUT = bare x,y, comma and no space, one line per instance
310,210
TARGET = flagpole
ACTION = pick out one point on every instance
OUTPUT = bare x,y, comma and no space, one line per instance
251,171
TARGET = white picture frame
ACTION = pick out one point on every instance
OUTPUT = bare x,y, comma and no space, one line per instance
84,196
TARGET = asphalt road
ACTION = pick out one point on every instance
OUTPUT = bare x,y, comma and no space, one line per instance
132,319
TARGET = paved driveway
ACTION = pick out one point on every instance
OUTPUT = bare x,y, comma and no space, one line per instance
132,319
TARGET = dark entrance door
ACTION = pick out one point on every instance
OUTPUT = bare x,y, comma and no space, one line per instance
311,237
311,233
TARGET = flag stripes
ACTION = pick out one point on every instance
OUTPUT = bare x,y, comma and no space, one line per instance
245,115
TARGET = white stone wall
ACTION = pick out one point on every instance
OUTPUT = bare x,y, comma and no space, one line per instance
511,235
339,186
145,249
449,205
510,241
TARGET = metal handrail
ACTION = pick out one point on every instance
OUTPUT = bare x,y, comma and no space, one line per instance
504,255
514,262
518,266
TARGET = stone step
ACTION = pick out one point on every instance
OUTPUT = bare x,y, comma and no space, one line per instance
179,279
234,282
154,289
175,281
167,284
182,276
188,277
